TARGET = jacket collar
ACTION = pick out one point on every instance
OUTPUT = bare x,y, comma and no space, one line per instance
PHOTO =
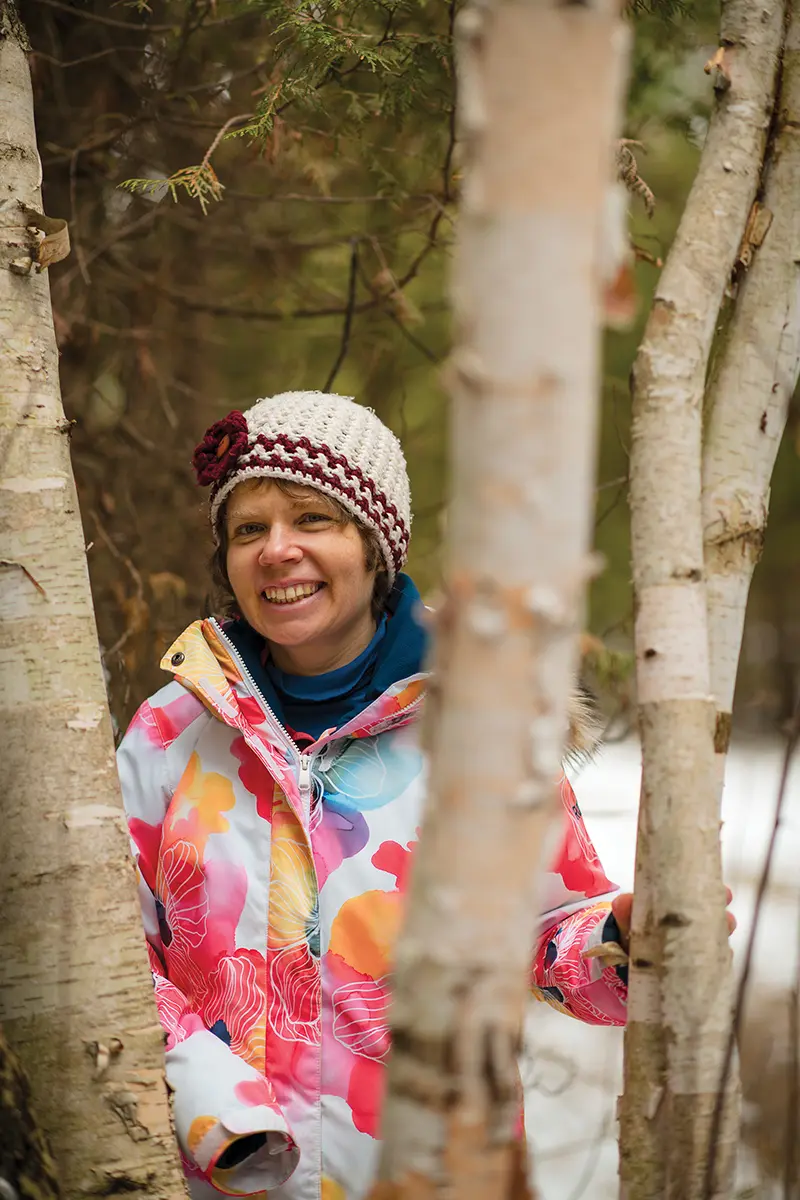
204,662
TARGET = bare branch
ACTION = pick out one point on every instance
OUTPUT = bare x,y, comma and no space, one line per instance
131,26
348,317
793,737
77,62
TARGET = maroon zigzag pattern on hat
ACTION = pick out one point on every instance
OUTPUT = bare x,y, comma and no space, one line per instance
320,465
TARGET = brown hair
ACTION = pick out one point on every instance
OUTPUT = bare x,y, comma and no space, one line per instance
224,600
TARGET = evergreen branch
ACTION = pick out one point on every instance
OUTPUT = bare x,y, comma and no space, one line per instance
222,84
231,121
348,317
201,183
131,26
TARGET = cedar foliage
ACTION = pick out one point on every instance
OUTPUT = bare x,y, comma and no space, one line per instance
319,138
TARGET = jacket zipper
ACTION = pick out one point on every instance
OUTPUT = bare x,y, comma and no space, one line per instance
304,760
251,681
304,784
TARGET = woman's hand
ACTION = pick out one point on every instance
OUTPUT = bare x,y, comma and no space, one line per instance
622,907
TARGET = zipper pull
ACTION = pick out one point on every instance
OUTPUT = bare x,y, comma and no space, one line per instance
304,784
305,774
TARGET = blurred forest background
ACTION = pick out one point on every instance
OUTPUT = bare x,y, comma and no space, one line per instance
292,228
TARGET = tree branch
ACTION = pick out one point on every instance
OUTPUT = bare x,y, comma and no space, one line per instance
710,1188
348,317
112,23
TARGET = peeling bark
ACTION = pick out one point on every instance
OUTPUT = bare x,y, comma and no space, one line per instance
681,982
539,97
75,980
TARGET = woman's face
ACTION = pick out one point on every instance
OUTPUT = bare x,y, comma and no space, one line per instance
299,575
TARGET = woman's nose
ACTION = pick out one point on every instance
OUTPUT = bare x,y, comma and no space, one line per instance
279,546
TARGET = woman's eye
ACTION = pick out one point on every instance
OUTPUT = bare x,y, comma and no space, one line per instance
313,518
248,530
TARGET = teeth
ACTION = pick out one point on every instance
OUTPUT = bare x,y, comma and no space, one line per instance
290,594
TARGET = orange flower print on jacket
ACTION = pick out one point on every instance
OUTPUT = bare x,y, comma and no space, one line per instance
293,932
201,799
358,963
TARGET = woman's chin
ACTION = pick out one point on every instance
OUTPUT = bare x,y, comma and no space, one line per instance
288,624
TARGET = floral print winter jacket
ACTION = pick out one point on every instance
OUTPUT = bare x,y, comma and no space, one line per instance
271,886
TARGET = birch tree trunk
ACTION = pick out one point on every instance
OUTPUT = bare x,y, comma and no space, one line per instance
76,1001
679,1006
750,394
540,86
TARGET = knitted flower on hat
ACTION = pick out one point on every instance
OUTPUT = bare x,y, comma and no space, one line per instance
323,441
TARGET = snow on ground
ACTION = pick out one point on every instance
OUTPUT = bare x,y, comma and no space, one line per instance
572,1072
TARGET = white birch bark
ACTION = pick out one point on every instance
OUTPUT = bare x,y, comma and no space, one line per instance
539,96
76,1002
749,398
681,984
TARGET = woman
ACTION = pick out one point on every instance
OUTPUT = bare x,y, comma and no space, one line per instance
274,795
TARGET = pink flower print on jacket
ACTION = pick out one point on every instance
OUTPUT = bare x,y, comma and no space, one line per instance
395,860
255,777
162,725
577,862
361,1017
233,1005
181,896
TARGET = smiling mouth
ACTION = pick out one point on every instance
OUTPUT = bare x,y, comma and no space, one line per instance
291,595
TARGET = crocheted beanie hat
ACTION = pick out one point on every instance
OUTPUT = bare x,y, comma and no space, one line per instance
323,441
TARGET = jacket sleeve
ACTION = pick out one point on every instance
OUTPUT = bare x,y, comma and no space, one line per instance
218,1098
578,965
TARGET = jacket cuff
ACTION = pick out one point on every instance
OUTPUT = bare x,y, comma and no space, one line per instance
219,1098
611,933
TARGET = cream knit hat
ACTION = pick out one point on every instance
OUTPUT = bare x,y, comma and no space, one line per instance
324,441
